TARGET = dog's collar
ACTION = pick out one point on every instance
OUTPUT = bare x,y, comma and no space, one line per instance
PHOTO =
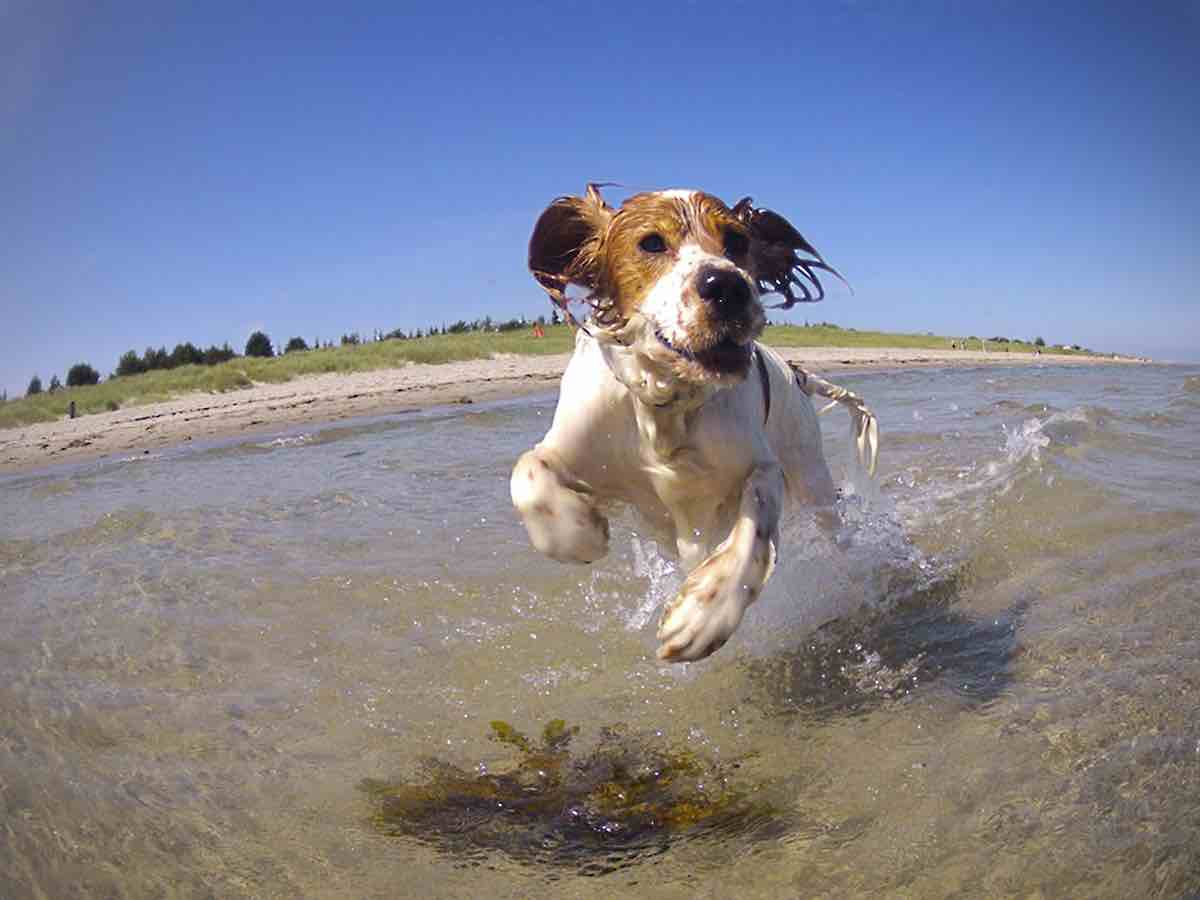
765,377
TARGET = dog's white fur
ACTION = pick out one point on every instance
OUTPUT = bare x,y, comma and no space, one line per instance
703,460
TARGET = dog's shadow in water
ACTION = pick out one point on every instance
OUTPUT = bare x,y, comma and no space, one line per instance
921,641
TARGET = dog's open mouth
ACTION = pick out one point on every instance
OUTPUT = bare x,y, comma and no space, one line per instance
725,357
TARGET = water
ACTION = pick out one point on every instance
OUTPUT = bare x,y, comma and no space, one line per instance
988,687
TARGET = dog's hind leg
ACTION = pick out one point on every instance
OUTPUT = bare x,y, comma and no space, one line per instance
864,428
559,511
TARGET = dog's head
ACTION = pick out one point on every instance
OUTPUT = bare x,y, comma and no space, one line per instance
675,274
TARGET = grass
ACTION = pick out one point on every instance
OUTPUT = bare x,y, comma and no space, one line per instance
833,336
164,384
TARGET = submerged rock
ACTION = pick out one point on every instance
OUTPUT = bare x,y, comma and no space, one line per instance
603,809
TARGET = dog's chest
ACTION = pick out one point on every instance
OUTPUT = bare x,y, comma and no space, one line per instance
683,459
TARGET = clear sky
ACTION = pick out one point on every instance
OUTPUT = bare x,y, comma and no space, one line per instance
173,172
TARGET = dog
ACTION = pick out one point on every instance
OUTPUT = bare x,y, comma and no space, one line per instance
670,404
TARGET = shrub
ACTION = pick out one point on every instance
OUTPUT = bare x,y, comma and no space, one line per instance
295,344
130,364
258,344
229,379
155,359
80,374
214,354
186,355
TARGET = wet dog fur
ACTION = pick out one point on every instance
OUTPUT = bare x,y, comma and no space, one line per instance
671,405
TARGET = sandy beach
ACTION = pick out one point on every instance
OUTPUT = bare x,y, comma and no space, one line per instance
268,408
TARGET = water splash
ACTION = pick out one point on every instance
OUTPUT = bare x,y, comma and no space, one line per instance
970,487
298,440
1026,441
663,576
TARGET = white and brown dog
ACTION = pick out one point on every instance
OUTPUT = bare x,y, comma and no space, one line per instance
669,404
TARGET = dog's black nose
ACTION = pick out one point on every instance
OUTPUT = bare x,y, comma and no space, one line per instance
726,290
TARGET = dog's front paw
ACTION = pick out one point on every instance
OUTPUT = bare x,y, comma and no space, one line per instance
707,610
562,522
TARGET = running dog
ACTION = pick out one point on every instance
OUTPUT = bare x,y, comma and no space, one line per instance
669,403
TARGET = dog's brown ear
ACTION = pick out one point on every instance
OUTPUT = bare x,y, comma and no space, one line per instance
564,248
774,260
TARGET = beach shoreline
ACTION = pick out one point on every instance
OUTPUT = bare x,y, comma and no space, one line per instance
323,399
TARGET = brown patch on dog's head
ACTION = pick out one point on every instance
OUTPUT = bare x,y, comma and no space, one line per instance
647,234
676,259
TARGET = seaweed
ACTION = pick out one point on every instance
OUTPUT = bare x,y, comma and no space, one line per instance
623,800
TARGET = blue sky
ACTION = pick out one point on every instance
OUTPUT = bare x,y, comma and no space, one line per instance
174,172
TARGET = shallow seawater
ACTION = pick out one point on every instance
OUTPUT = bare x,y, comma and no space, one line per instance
329,665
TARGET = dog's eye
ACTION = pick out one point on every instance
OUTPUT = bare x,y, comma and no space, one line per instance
736,243
653,243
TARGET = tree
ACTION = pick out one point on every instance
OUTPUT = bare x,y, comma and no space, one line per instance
55,385
187,354
259,344
1039,341
130,364
80,374
295,344
156,359
214,354
35,386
